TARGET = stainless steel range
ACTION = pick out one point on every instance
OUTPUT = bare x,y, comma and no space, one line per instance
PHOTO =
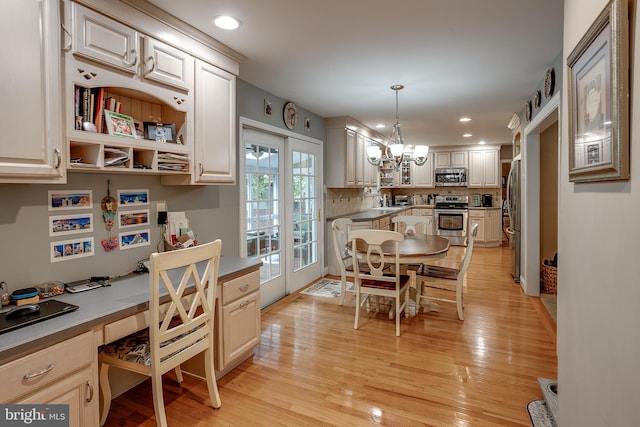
451,218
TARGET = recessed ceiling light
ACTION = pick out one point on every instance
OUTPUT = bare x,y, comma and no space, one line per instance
467,135
482,142
380,126
465,119
226,22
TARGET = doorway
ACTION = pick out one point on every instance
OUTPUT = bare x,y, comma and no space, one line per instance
281,199
534,155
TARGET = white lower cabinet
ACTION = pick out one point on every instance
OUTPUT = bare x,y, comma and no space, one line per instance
489,226
65,373
238,320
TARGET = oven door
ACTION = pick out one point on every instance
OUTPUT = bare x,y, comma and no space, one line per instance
452,224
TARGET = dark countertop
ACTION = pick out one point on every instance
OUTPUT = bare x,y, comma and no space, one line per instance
371,214
126,296
484,207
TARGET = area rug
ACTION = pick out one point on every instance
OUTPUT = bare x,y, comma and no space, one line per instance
326,288
539,414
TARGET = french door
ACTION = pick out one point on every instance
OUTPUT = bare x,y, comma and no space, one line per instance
282,196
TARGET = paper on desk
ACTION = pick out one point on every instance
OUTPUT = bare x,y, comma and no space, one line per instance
176,221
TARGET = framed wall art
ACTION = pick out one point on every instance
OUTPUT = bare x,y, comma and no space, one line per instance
74,199
133,197
70,224
71,249
599,99
133,218
134,239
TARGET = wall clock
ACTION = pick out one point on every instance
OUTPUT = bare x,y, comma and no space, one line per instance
290,115
549,83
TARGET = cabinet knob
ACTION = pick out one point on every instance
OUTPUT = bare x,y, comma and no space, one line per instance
244,287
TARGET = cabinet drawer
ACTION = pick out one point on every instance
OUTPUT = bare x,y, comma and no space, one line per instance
473,213
46,366
239,287
385,221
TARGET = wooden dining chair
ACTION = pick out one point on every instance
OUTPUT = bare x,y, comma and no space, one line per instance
379,279
177,331
448,279
410,222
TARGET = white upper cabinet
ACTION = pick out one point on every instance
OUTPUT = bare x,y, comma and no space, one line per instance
215,153
167,65
484,169
370,171
31,115
104,40
450,159
345,153
423,175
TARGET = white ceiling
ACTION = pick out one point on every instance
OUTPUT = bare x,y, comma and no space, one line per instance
481,58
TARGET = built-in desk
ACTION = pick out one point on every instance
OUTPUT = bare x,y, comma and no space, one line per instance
57,341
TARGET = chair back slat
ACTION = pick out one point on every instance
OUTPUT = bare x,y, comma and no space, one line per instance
378,264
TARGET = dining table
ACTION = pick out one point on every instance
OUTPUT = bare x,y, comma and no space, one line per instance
415,249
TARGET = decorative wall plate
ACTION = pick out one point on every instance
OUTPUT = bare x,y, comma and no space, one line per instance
527,111
549,83
290,115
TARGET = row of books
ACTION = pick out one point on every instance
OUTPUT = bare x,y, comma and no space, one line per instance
90,104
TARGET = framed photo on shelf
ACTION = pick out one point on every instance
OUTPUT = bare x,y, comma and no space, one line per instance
598,99
119,124
160,132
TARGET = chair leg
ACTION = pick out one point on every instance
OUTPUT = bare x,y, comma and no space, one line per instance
210,373
105,391
355,324
459,299
179,374
344,287
398,315
158,400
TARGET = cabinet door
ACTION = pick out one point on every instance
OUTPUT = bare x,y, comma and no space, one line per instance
476,169
104,40
370,171
241,321
492,169
31,114
214,142
165,64
480,238
423,175
443,160
494,225
79,391
353,168
459,159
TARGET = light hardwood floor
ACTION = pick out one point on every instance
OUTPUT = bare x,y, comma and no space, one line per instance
312,368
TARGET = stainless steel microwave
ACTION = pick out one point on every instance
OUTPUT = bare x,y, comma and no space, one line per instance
456,177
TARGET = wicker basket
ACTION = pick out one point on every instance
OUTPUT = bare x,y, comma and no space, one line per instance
549,277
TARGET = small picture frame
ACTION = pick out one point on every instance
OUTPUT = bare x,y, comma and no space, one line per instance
134,239
268,108
599,99
119,124
71,249
307,123
135,218
70,224
160,132
73,199
133,197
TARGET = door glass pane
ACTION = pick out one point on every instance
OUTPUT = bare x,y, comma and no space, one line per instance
305,233
262,204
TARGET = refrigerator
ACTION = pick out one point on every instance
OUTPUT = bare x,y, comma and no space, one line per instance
514,205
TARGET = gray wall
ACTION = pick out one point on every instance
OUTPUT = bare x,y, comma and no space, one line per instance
213,212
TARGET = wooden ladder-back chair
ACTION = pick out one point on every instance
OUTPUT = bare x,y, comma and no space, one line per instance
177,331
446,278
410,222
379,279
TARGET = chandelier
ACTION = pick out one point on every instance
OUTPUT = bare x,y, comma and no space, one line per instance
395,150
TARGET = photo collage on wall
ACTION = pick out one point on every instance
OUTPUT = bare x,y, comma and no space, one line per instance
69,227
